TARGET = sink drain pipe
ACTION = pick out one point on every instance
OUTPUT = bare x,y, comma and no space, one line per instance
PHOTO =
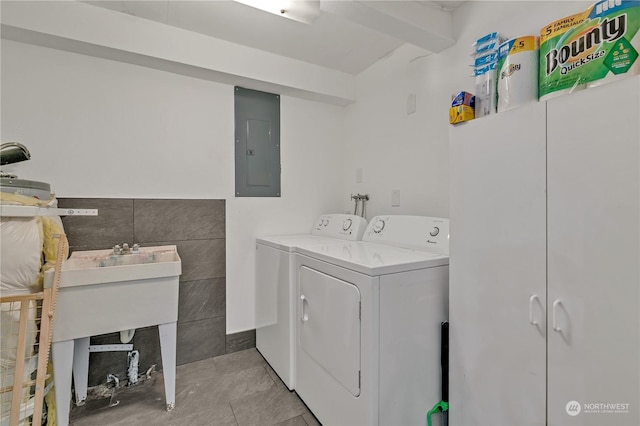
127,335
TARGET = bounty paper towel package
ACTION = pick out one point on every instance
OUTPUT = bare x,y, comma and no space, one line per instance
517,77
590,48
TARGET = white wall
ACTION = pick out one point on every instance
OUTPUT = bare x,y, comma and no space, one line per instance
311,135
100,128
410,153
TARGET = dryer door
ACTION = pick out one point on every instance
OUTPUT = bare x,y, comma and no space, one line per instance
330,327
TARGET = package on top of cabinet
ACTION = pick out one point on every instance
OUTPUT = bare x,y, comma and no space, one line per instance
486,59
486,93
488,43
485,69
590,48
487,38
462,107
463,98
461,113
517,72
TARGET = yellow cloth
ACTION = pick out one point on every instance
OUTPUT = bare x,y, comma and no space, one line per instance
23,199
51,226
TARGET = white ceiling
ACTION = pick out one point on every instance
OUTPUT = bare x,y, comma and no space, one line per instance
333,40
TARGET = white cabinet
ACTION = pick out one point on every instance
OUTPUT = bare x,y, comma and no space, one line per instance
593,181
545,232
497,261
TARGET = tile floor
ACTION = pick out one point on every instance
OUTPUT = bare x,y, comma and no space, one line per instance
234,389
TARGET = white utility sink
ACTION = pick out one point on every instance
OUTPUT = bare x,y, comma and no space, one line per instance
102,293
102,266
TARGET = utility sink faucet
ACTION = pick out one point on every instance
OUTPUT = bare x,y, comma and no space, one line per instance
125,249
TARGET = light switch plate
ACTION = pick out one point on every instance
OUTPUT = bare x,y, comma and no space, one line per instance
395,198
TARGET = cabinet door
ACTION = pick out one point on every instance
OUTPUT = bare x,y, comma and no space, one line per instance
593,256
497,287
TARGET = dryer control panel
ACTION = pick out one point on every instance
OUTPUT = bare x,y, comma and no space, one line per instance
344,226
414,232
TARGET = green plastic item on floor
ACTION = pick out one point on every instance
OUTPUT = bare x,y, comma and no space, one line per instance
439,407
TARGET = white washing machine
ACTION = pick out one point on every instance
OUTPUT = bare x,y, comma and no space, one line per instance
369,316
276,287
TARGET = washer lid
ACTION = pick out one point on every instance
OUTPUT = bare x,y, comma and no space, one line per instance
374,259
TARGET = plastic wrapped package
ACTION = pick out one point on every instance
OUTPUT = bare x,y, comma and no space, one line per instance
21,260
25,243
517,72
485,52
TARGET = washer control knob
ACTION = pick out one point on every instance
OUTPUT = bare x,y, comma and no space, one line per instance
378,226
347,224
435,231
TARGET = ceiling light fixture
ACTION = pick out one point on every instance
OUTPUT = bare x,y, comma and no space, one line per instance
298,10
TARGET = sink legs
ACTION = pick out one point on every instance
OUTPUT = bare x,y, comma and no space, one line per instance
62,355
168,334
73,356
81,368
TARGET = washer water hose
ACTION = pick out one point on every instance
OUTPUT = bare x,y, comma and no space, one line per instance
359,198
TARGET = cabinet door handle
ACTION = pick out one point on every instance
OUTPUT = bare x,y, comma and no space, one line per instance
532,299
305,308
554,323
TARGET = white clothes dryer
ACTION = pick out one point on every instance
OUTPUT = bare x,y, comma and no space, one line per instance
275,290
368,323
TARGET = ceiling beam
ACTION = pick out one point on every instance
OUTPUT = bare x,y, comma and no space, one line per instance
408,21
94,31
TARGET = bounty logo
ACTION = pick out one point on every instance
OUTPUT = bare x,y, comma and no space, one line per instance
510,70
573,408
579,46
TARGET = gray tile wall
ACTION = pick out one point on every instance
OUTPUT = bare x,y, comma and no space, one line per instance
197,228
